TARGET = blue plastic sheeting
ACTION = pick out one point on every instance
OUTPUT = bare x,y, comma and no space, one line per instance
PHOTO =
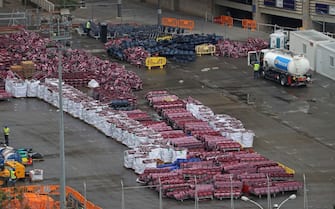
2,162
176,164
180,49
165,165
12,155
178,161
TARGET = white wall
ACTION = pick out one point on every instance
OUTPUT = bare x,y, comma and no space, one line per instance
297,46
323,62
297,40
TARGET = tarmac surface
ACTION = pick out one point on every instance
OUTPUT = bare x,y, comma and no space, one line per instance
293,126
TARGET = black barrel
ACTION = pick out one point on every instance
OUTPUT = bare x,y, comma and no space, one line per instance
103,32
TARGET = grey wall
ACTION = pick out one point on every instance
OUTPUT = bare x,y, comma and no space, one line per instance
192,7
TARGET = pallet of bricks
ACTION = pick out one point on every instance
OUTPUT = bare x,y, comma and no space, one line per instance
25,70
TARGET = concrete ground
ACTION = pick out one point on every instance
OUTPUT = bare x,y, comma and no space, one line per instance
293,125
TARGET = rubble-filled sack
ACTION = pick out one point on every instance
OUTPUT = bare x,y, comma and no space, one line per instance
18,88
65,102
32,88
141,165
155,153
40,91
167,154
138,165
179,154
93,84
47,94
247,138
52,81
55,99
9,85
128,158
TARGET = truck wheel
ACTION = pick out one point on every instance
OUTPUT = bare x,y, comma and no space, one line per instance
283,80
262,73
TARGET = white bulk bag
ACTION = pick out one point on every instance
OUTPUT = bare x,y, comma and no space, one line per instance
179,154
9,85
93,84
248,138
32,88
19,89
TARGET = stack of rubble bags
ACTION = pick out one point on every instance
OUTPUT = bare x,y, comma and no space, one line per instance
218,155
245,172
174,111
112,123
228,126
152,150
115,124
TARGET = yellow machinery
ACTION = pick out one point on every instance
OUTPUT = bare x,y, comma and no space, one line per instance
155,62
205,49
4,176
20,170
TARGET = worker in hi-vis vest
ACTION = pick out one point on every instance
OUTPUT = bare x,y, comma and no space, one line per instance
12,177
88,27
256,70
6,132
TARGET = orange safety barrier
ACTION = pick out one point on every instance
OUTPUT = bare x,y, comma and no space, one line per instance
217,19
186,24
39,195
249,24
81,198
252,25
224,20
245,23
11,29
227,20
168,21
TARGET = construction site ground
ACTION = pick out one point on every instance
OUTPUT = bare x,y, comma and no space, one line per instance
293,126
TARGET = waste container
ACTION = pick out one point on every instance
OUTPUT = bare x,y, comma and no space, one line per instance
103,32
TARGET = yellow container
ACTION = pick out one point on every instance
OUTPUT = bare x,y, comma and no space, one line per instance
155,62
28,65
287,169
24,160
205,49
16,68
161,38
28,73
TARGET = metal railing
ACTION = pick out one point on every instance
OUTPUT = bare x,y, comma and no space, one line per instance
14,18
44,4
263,27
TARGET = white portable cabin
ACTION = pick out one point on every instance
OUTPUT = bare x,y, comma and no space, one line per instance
306,42
325,64
278,39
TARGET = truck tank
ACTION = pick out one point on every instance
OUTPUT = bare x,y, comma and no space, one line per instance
287,62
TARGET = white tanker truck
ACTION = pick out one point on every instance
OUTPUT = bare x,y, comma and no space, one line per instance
281,65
